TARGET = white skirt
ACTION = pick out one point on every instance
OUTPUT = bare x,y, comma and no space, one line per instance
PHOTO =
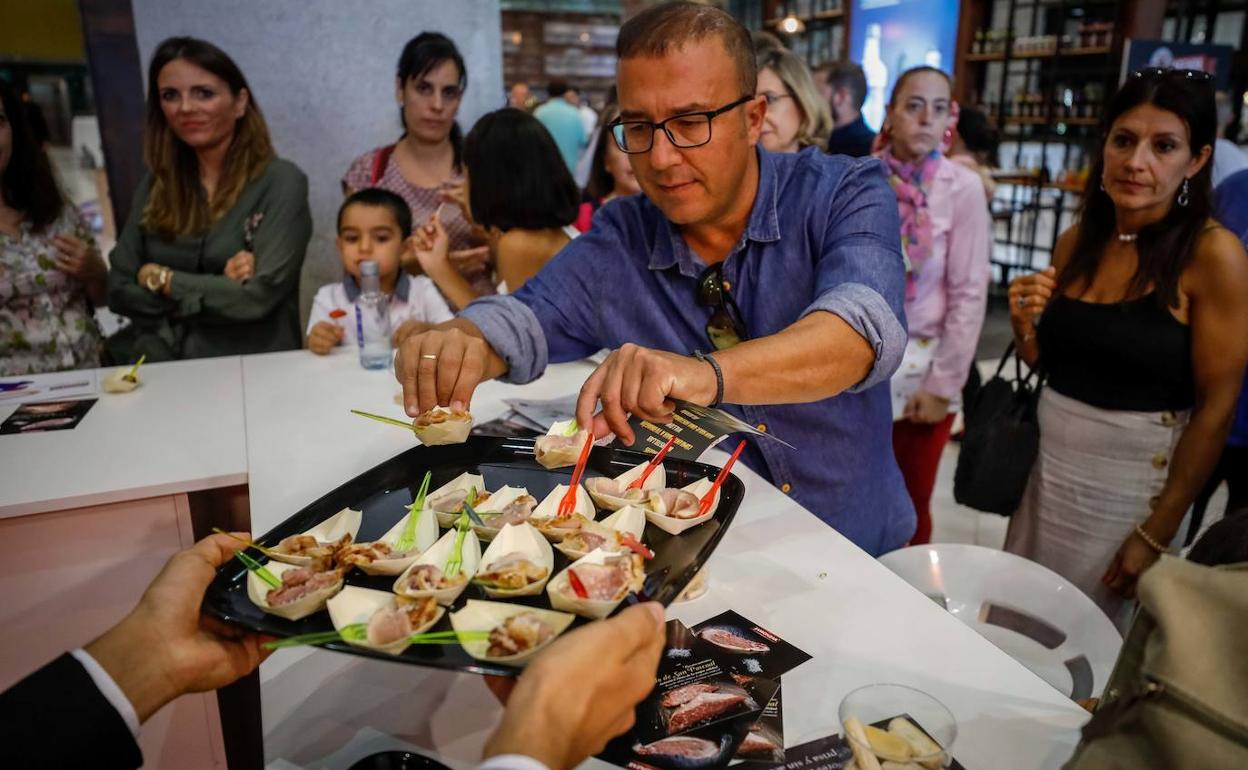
1098,474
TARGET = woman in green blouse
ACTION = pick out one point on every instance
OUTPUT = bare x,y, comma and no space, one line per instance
208,263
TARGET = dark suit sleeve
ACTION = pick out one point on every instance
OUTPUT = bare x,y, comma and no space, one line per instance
57,718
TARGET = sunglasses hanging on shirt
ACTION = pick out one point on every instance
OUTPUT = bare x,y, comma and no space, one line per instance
725,327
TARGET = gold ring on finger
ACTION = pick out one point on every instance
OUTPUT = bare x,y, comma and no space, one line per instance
429,356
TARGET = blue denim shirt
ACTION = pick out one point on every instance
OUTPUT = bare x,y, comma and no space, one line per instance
823,234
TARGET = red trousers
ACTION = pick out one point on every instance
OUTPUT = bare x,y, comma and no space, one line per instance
918,448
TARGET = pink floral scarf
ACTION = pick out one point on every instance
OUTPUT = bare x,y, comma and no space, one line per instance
911,183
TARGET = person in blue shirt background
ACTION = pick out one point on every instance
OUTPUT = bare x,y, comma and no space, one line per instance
563,120
780,276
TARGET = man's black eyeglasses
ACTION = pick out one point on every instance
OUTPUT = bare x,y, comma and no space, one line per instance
726,327
1200,76
690,129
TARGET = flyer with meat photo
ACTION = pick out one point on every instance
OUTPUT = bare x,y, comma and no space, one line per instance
765,740
696,687
751,649
43,416
698,699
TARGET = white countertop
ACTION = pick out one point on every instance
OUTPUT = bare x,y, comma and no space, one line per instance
777,565
182,431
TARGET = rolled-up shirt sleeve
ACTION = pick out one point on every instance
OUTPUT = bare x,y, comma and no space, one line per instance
860,274
514,332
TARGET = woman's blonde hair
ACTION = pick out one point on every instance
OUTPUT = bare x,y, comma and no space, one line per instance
816,114
176,203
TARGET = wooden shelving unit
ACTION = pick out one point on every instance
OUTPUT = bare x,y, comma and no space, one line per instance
1050,67
826,22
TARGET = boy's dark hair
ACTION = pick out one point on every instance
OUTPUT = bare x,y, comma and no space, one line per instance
517,178
384,199
557,88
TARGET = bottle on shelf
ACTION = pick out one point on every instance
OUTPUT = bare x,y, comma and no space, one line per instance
876,73
372,319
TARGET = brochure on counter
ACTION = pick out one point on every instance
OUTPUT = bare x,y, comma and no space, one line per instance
710,703
45,416
696,428
43,387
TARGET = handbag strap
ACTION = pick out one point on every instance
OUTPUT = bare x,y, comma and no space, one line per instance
380,159
1005,359
1035,373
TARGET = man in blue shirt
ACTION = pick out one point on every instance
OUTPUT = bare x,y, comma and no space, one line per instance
563,120
797,256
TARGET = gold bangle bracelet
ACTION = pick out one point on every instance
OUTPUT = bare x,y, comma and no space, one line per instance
1148,539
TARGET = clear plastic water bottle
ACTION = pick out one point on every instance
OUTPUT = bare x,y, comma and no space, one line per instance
372,319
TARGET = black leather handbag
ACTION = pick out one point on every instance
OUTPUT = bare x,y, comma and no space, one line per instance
1001,440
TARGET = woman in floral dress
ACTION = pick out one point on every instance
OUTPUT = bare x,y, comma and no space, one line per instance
51,272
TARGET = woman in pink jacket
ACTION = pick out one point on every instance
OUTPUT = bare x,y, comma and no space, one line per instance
945,235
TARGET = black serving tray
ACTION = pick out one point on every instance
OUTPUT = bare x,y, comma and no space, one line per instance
382,492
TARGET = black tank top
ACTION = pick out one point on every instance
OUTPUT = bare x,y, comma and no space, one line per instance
1131,355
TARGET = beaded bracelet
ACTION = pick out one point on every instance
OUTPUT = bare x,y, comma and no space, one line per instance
719,376
1148,539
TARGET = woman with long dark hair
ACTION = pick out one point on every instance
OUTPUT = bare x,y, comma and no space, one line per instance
209,262
51,272
520,191
1139,325
610,173
425,166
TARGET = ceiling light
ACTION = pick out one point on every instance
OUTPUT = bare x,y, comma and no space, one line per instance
791,25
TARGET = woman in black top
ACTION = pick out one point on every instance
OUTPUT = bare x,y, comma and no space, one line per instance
1139,324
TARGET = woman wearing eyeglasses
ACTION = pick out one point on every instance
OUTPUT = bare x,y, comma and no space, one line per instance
945,237
425,166
797,116
1139,326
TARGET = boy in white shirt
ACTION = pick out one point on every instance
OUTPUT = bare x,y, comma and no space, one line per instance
374,224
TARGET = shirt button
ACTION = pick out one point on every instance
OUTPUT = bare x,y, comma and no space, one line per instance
785,488
727,286
1160,461
762,427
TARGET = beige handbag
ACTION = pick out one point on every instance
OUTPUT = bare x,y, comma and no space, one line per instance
1178,696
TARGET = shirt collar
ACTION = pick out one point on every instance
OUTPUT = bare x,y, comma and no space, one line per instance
352,288
763,225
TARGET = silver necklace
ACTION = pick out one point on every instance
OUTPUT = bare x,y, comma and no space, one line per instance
1127,237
